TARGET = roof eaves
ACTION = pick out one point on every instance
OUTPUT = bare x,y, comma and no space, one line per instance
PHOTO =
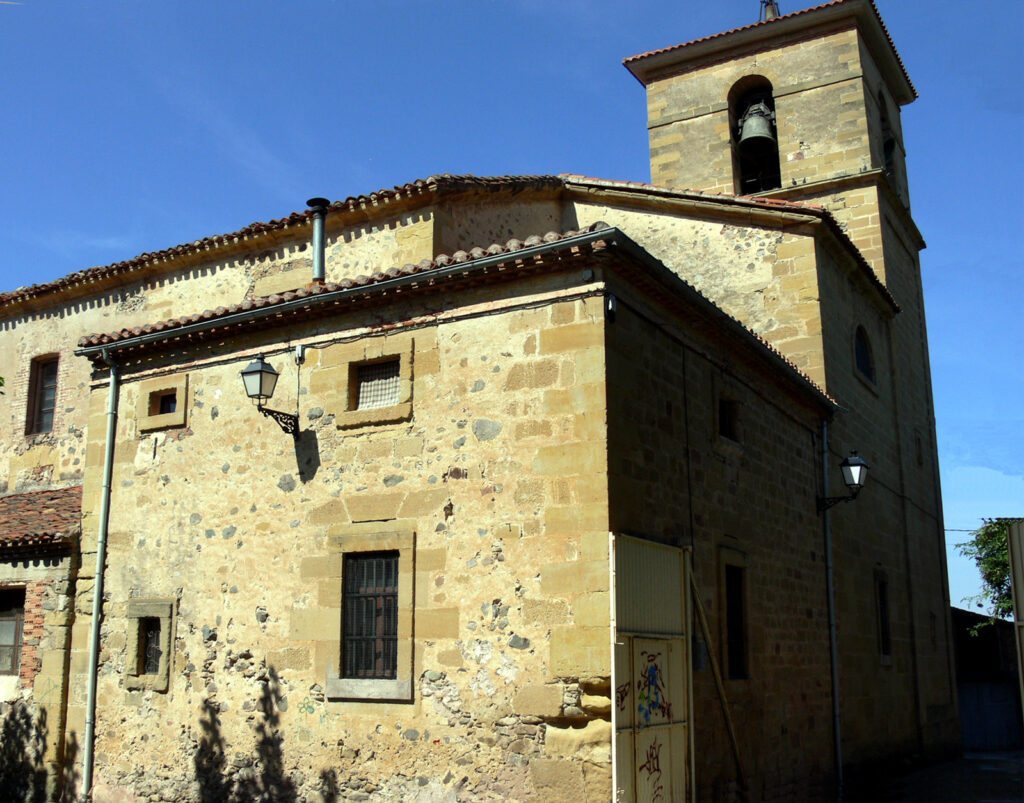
434,185
749,202
636,64
597,238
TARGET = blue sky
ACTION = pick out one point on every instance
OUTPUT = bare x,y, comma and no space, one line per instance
130,127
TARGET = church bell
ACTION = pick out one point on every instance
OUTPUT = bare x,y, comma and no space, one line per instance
757,127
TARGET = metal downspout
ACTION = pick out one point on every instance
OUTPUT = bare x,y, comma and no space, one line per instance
97,597
833,651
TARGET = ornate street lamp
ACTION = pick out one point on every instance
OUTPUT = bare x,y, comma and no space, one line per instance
855,472
260,379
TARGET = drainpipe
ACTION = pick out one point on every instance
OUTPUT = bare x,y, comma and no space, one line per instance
97,598
319,208
833,650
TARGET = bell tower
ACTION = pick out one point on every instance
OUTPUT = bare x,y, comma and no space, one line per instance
802,106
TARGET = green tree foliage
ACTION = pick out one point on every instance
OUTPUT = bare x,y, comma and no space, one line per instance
989,551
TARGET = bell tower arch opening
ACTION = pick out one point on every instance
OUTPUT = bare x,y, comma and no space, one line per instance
755,142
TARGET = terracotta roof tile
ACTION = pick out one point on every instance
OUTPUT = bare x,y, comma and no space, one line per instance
436,184
424,266
773,21
39,519
468,257
751,202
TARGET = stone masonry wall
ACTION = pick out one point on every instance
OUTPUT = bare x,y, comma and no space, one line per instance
750,502
819,105
499,473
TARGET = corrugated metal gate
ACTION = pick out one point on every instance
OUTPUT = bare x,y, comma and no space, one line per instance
651,676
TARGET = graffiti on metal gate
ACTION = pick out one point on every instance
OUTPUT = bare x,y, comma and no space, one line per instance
650,688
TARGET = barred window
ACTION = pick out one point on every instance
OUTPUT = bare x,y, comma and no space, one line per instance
370,613
377,384
149,645
12,614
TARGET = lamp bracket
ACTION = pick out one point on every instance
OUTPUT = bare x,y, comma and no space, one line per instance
825,502
289,422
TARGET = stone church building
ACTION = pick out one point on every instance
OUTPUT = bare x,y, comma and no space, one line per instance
539,507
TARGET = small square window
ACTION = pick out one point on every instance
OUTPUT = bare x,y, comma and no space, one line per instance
376,385
12,615
42,395
162,402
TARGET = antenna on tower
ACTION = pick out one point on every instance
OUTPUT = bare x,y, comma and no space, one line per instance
769,10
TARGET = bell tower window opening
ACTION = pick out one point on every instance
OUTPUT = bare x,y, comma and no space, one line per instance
755,144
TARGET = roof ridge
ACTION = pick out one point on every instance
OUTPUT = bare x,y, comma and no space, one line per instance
363,280
782,17
433,183
444,261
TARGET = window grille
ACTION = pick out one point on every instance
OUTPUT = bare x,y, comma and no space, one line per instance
377,384
12,613
149,646
370,614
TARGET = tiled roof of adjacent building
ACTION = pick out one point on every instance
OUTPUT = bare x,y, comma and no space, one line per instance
437,184
775,21
39,520
521,254
751,202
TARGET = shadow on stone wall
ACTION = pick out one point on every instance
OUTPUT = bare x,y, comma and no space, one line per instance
23,755
258,777
307,455
69,777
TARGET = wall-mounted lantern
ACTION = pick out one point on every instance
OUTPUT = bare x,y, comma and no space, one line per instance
855,472
260,379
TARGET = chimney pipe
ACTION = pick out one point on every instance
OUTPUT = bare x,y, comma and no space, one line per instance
319,208
769,9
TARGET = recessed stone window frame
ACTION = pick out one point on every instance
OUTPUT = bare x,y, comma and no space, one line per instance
43,386
153,396
139,611
370,353
378,537
734,613
864,357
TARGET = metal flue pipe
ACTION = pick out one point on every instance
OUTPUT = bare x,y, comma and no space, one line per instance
319,208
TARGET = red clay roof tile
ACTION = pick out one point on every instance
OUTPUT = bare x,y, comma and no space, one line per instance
460,257
775,20
39,519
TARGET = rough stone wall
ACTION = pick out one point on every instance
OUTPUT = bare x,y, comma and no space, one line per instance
467,222
499,472
32,703
764,277
673,478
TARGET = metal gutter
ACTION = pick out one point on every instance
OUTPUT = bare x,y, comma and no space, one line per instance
833,648
97,594
271,311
